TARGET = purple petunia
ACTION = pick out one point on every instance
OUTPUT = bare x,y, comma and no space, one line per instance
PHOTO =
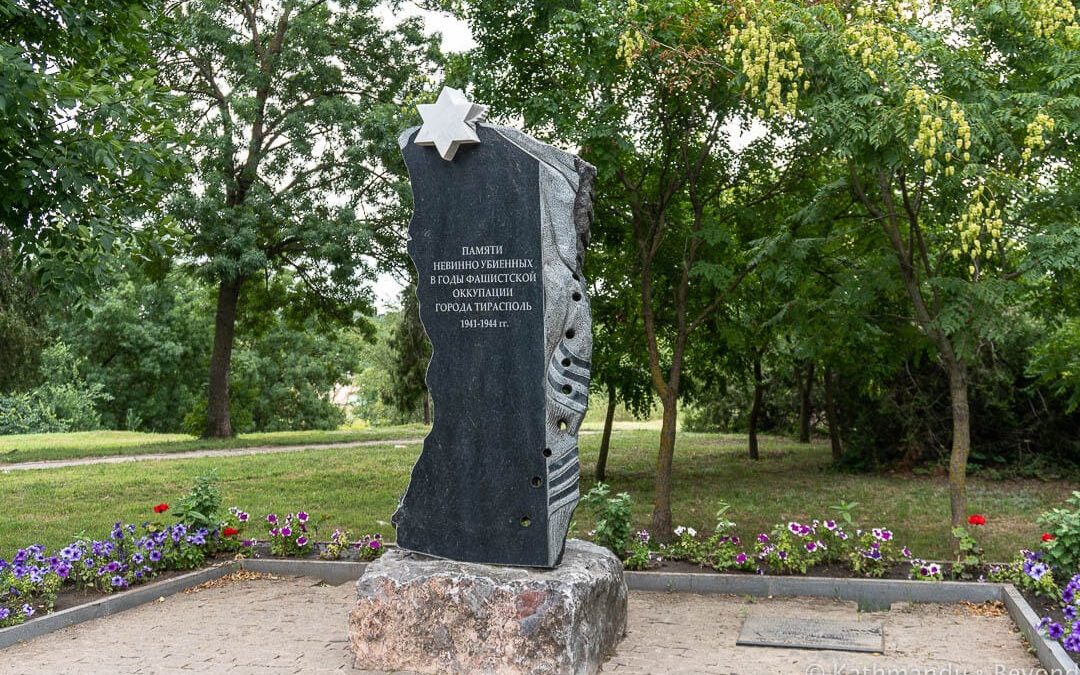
286,531
302,516
28,610
119,582
1038,571
4,613
763,538
1054,630
740,559
1072,643
155,556
271,518
301,540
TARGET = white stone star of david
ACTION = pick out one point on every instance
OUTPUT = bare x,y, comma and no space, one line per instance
450,122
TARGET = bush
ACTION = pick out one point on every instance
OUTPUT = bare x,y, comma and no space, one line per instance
201,507
1063,546
613,518
63,402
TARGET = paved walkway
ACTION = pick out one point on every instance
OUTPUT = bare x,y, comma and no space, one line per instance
297,625
195,454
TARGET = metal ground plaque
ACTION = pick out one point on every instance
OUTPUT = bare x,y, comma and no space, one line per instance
765,630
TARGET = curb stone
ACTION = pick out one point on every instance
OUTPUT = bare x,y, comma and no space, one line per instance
111,604
870,594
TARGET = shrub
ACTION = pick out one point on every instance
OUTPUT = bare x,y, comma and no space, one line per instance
613,525
63,402
1062,547
201,507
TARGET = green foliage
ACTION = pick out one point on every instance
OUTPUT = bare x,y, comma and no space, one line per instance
86,146
844,511
142,334
201,507
412,351
613,518
63,402
1063,552
22,324
1056,362
969,554
374,379
1016,573
21,592
638,556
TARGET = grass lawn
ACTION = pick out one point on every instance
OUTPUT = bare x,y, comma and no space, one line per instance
359,487
38,447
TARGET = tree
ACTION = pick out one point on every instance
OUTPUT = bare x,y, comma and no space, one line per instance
295,110
680,193
412,352
86,148
22,324
950,118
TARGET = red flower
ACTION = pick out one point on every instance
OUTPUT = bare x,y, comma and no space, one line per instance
161,508
230,532
976,519
1048,537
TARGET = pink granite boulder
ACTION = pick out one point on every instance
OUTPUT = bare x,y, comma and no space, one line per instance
427,615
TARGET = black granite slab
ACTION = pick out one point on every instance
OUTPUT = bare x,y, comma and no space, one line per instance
476,491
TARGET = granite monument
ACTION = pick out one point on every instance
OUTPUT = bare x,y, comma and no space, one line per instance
498,237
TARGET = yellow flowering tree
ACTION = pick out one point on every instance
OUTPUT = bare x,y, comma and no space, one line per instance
952,119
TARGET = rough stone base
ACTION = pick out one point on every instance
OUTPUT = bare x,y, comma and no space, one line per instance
427,615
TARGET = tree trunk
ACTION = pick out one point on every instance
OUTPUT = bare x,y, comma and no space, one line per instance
831,417
661,515
755,410
605,440
806,387
427,409
218,424
961,441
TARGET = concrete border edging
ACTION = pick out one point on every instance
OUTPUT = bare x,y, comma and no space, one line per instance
870,594
111,604
1053,657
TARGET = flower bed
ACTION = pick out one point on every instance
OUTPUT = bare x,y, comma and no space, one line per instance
35,579
840,548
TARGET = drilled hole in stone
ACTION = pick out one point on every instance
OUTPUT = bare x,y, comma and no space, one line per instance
570,334
547,452
576,296
537,481
525,522
566,363
563,425
567,389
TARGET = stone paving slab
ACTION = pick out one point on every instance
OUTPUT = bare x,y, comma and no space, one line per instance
298,625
